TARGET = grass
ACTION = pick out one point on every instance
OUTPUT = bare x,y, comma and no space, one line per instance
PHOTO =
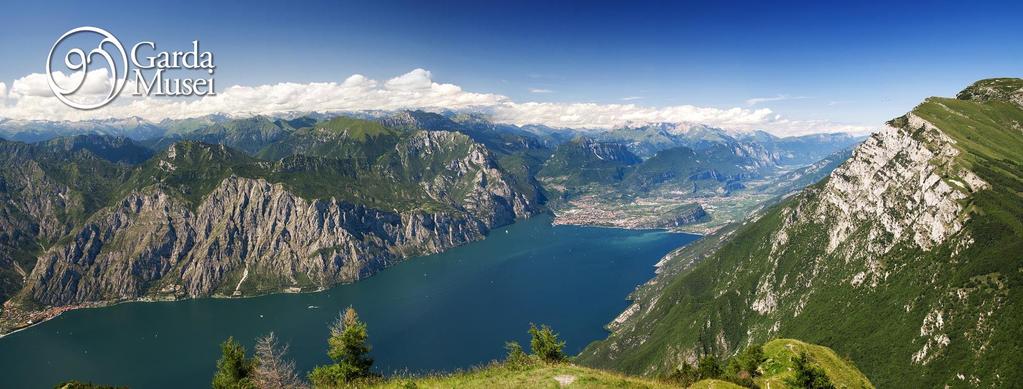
714,384
540,375
779,365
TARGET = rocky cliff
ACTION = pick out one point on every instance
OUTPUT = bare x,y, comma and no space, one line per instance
906,259
204,220
248,237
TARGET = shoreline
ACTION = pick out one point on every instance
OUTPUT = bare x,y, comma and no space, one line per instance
287,290
556,222
106,304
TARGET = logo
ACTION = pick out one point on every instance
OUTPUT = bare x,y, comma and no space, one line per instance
109,55
77,60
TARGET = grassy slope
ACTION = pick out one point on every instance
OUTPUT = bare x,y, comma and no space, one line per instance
779,365
714,384
879,328
540,376
777,369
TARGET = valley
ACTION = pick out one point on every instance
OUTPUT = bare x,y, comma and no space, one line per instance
810,228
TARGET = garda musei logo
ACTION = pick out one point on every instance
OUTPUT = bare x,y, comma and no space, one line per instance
97,66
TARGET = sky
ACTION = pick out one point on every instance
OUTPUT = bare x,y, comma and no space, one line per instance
786,67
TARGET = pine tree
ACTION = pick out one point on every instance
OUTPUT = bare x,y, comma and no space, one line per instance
273,370
809,376
233,368
685,375
708,367
545,344
348,348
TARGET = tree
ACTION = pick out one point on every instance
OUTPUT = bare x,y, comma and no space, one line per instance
708,367
348,349
742,368
233,368
272,369
809,376
516,357
684,375
751,359
545,343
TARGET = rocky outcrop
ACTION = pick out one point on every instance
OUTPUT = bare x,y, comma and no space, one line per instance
688,215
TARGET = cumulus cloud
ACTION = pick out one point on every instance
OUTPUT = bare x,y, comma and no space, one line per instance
30,98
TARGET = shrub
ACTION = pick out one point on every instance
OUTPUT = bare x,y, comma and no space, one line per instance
348,349
233,368
516,358
708,367
545,344
684,375
809,376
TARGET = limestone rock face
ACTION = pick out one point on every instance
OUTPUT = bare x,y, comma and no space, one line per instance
151,244
250,236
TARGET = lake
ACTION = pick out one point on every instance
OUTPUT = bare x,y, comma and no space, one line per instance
434,313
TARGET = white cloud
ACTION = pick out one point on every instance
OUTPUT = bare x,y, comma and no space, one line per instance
540,90
760,100
29,98
631,98
591,115
418,79
3,93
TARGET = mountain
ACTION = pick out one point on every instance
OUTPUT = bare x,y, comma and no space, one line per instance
583,160
347,198
249,134
111,148
39,130
906,259
807,149
45,191
714,169
766,149
797,179
183,126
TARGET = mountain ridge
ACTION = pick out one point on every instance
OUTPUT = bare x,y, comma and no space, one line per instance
909,252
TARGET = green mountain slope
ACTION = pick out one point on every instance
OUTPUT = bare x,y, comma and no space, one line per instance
584,161
45,190
906,260
780,354
341,137
711,169
110,148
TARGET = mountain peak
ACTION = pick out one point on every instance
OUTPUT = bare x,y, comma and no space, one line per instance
1009,90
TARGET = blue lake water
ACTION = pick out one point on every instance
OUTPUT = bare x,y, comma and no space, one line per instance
435,313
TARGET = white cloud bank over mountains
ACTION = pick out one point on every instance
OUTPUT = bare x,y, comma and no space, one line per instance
29,98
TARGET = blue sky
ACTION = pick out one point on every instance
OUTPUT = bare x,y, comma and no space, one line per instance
859,63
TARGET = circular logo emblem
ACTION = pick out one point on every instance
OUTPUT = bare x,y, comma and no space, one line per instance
78,62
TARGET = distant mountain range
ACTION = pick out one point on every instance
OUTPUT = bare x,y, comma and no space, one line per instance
119,210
